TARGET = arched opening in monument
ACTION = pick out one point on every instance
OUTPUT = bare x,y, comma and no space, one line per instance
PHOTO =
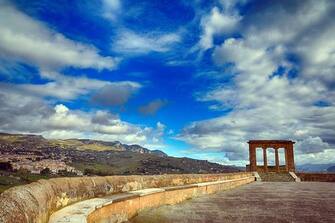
271,156
259,156
281,153
271,160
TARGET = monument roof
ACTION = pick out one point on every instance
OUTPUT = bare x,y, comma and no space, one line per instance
260,141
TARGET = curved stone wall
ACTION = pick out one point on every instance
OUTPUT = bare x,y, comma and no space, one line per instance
121,210
35,202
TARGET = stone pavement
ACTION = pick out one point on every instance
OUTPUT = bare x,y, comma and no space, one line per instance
257,202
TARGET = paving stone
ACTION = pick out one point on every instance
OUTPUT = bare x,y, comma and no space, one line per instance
257,202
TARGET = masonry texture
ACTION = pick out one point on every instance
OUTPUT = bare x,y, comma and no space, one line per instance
37,201
257,202
319,177
275,144
127,208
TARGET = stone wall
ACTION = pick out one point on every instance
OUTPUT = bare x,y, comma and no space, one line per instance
260,168
320,177
125,209
35,202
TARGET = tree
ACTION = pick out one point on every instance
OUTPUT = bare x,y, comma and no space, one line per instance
65,173
46,171
6,166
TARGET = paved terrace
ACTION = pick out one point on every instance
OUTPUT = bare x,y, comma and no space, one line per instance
256,202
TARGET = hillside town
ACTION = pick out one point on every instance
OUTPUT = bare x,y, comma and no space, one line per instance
78,157
36,164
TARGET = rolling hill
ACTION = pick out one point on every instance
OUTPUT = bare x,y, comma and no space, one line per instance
106,158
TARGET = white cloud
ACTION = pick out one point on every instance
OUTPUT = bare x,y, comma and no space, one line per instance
36,108
311,145
317,51
24,39
24,113
63,118
70,88
291,20
111,9
253,64
325,157
81,125
266,105
134,43
66,88
216,23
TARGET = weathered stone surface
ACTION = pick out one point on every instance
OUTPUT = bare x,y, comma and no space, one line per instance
275,144
320,177
152,198
276,177
253,203
37,201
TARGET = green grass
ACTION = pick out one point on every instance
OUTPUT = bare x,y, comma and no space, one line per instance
8,180
33,177
94,168
73,143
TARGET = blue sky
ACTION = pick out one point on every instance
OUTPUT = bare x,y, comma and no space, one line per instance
192,78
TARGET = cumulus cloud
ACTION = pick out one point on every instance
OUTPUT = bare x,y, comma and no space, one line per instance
66,88
78,121
136,43
311,145
265,103
70,88
85,125
317,52
152,107
26,40
267,24
103,117
24,113
38,107
245,56
217,23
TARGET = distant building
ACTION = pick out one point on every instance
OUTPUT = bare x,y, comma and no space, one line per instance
35,164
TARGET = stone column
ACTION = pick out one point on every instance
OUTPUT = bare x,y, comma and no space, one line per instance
286,159
292,160
265,159
252,157
290,157
277,159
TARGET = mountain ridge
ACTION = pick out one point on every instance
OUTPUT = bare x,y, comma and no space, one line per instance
74,143
94,157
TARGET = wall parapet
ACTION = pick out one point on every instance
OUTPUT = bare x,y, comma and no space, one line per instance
318,177
35,202
122,207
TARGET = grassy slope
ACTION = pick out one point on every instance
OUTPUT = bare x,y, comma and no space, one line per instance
73,143
19,178
107,163
37,141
